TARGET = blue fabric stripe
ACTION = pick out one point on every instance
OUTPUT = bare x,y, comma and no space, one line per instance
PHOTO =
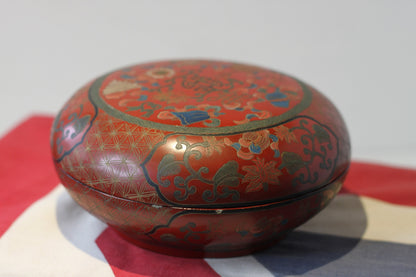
303,253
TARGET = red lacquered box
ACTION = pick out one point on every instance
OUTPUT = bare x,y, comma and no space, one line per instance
200,158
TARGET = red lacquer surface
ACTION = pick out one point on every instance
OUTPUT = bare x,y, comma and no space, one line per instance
200,158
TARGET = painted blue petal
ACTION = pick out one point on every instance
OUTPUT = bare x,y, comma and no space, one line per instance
275,95
142,98
125,76
155,84
254,148
276,153
190,117
273,137
283,104
252,86
239,109
250,116
236,145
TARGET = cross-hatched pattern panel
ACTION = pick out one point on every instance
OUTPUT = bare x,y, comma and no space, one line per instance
110,157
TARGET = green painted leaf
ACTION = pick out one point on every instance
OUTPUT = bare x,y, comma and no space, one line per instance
228,175
80,124
321,134
168,166
292,162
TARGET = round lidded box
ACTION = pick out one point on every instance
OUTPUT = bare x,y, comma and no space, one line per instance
200,158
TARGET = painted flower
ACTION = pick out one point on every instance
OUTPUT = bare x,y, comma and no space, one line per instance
213,145
275,146
256,142
284,133
160,72
261,175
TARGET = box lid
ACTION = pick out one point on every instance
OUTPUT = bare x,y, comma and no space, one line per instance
199,133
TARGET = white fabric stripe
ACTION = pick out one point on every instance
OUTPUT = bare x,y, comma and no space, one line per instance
78,226
35,239
246,266
389,222
368,218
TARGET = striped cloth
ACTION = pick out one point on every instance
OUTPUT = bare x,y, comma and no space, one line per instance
368,230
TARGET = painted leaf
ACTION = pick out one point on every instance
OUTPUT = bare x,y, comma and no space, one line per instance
79,125
285,133
213,145
225,178
190,117
292,162
228,175
321,134
168,166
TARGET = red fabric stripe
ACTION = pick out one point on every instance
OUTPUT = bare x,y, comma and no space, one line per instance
26,168
127,259
390,184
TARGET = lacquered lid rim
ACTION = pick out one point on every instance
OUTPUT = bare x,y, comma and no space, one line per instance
228,207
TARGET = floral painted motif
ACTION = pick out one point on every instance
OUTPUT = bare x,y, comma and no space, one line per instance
213,145
284,133
254,142
261,175
243,94
178,171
